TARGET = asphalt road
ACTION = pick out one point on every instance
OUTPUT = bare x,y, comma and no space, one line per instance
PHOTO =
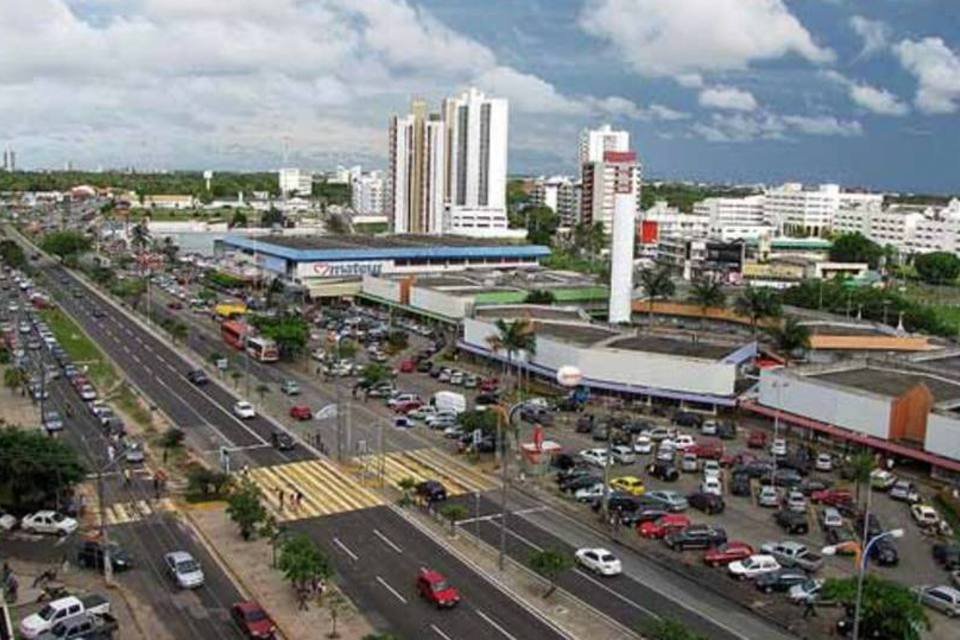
379,555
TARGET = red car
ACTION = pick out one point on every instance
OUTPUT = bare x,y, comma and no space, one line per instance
434,588
707,449
407,406
301,412
253,620
408,366
663,526
727,553
79,382
832,497
738,459
757,440
489,385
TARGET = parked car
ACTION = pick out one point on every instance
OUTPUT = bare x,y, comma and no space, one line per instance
599,561
61,610
253,620
884,553
783,580
434,588
90,555
665,471
642,444
824,462
905,491
689,463
882,480
778,447
830,517
50,522
628,484
301,412
728,552
708,503
660,527
740,484
290,388
947,555
767,496
183,569
832,497
793,522
925,515
711,484
752,567
670,500
589,493
795,501
623,454
687,419
793,554
806,591
757,440
695,536
942,598
431,491
597,457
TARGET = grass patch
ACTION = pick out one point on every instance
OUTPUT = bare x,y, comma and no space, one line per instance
81,349
127,401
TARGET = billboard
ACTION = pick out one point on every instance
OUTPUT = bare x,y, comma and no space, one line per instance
345,269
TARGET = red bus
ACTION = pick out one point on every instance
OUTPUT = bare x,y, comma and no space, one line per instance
235,333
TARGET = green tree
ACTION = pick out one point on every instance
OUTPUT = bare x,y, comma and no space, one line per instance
206,484
11,254
397,341
236,376
140,237
302,562
34,468
274,292
179,332
239,219
14,379
262,390
453,512
374,373
65,244
887,608
791,337
859,470
757,304
513,338
656,283
540,296
855,247
245,508
169,249
939,267
590,238
290,332
666,629
707,292
551,564
406,485
542,223
271,217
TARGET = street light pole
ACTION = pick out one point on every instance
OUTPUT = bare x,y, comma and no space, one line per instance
779,386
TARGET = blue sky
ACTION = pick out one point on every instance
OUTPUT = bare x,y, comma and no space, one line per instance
861,92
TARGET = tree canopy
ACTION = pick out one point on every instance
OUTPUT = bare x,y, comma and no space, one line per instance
551,564
174,183
542,223
34,467
707,292
302,562
856,247
540,296
888,609
245,507
12,254
939,267
791,337
289,331
66,244
758,303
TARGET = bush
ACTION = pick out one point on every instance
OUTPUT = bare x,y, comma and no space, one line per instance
204,484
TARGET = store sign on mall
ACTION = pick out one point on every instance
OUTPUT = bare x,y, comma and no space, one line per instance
343,269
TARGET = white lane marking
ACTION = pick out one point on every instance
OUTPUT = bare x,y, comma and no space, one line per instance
387,541
440,633
135,358
391,590
496,516
344,548
496,626
125,348
171,368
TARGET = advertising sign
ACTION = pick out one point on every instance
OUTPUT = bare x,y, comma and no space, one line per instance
340,269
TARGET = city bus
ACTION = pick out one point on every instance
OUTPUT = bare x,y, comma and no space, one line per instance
234,333
262,349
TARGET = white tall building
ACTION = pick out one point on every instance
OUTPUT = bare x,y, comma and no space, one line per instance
295,182
416,175
560,193
797,210
600,183
595,142
476,161
366,195
735,218
621,170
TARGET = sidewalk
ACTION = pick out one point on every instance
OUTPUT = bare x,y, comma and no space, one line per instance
250,563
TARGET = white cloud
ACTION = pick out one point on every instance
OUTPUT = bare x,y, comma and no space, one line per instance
937,69
824,126
683,37
742,127
873,99
874,33
728,98
661,112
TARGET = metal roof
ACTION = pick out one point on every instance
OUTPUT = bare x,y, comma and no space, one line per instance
438,252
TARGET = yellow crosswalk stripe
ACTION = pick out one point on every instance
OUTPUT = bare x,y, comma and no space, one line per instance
326,490
133,511
430,464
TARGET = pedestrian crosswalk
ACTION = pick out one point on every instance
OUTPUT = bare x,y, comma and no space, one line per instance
428,464
132,510
326,490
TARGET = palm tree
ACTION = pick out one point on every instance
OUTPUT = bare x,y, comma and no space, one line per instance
757,304
514,337
169,249
860,467
656,283
791,336
708,293
140,237
590,238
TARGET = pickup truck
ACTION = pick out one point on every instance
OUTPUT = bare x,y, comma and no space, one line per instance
89,626
793,554
60,610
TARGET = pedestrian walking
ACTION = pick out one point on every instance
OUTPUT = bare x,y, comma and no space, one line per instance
126,476
156,487
280,498
110,453
166,452
299,499
809,610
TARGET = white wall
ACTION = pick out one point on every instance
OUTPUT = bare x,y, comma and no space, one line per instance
943,436
622,366
855,410
381,287
441,303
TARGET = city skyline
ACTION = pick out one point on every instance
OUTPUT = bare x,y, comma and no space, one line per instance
858,93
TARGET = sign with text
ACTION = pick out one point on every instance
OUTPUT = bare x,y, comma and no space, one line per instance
345,269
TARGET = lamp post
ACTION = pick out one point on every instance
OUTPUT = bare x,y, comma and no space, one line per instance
862,569
779,385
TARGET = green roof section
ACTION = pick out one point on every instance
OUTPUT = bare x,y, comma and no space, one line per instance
560,294
499,297
408,308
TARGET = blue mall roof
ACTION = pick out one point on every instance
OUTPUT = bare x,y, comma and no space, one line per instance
438,252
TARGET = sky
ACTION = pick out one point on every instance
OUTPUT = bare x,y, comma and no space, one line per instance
860,92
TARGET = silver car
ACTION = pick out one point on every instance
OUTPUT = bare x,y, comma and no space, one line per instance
942,598
184,570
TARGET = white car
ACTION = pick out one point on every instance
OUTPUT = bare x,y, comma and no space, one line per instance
666,453
768,497
423,412
661,433
712,485
805,591
925,515
589,494
796,501
779,447
7,521
711,469
684,442
440,416
597,457
642,445
709,428
599,561
622,454
882,480
456,378
403,398
49,522
753,566
823,463
244,410
184,570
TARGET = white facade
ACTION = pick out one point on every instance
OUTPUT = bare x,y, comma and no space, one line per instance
367,193
595,142
560,193
911,229
295,182
415,179
672,223
601,181
795,209
476,163
623,241
735,218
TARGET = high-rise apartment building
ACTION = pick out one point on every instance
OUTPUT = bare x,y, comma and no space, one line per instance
476,175
595,142
735,218
560,193
366,193
295,182
600,183
799,210
417,170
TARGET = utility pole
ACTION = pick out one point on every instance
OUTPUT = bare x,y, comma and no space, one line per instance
381,458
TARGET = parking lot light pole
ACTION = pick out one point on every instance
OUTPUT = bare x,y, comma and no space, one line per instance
862,569
779,385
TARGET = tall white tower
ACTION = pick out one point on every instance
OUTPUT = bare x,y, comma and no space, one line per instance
621,168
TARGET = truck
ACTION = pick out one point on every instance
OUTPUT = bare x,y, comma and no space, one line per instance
60,610
793,554
87,626
449,401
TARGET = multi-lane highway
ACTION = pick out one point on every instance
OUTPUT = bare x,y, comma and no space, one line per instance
205,413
